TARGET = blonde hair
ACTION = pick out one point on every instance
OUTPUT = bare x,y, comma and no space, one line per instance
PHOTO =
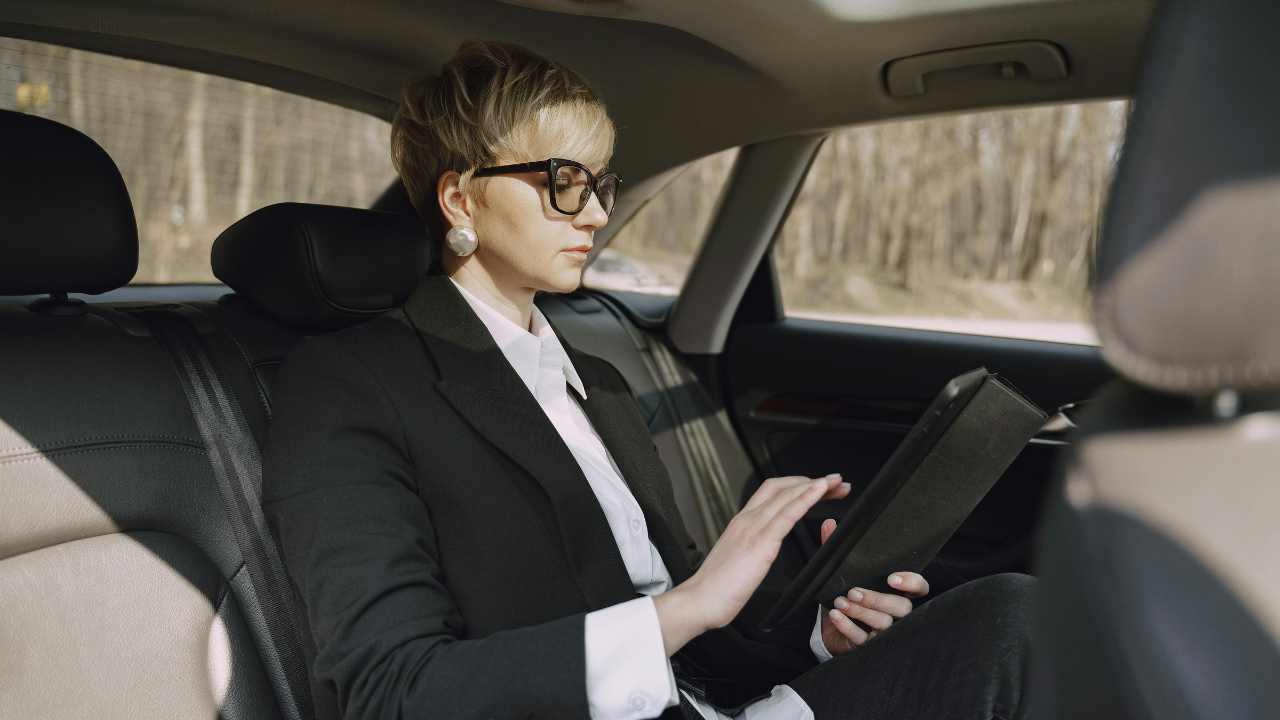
493,99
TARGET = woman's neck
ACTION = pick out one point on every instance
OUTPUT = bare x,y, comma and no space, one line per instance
513,303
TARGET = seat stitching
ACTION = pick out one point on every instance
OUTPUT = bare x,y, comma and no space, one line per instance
74,441
262,396
57,453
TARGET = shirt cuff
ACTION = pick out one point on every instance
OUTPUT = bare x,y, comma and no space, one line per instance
818,647
628,674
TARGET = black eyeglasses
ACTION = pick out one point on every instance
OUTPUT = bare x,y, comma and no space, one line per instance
571,183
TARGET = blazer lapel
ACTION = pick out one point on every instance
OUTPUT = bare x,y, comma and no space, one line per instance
627,438
484,389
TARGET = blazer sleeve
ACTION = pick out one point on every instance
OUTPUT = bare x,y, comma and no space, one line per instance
339,487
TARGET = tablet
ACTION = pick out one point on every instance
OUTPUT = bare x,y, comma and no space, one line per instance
962,444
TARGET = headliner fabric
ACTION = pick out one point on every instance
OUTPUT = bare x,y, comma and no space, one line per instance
1189,264
321,266
69,224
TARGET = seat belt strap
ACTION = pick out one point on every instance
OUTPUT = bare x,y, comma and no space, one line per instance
237,467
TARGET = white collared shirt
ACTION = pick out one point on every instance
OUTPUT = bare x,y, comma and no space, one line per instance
628,674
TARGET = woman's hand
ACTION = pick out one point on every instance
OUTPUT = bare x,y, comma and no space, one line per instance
735,566
876,610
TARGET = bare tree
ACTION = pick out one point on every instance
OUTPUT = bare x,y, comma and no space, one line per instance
197,152
248,170
197,212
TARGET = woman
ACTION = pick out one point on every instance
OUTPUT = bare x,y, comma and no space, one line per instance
476,513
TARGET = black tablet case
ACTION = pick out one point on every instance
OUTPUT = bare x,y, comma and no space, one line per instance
964,442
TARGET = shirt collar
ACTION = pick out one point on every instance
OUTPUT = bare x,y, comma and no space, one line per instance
525,350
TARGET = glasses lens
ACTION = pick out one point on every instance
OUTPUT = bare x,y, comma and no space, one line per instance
607,192
573,189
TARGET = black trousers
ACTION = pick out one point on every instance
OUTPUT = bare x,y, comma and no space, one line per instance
961,656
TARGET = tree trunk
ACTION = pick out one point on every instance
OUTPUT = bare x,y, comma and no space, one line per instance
248,165
197,211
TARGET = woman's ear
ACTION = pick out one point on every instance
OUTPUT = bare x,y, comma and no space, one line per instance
454,205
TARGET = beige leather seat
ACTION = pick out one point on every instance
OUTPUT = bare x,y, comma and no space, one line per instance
121,584
1161,557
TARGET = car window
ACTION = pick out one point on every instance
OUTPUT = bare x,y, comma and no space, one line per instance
983,223
198,152
653,252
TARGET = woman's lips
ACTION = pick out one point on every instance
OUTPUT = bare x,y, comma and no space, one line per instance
578,253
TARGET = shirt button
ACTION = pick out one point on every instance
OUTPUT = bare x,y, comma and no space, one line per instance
638,701
635,525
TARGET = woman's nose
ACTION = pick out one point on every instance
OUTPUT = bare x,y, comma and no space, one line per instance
592,217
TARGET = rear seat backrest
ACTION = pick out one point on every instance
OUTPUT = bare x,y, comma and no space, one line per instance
319,268
119,574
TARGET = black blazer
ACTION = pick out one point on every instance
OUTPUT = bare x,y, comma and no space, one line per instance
444,538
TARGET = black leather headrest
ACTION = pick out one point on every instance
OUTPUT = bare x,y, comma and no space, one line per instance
68,222
1188,293
320,266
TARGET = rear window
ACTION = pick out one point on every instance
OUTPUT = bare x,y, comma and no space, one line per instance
653,252
197,151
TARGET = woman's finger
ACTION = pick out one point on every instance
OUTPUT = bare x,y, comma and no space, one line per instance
894,605
874,619
771,487
809,491
828,527
784,511
839,491
913,584
855,634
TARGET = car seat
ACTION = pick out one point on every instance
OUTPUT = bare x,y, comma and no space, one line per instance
1161,554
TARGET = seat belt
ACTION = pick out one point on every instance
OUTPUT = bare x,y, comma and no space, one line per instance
710,484
237,467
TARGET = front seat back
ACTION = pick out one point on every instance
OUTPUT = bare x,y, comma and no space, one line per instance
1161,555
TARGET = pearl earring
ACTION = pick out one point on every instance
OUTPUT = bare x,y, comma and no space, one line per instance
462,240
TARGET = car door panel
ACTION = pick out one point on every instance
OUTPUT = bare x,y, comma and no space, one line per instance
813,397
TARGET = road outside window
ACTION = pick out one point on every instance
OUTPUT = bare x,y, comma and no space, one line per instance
198,152
984,223
653,252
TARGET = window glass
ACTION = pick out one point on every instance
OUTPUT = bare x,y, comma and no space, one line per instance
984,223
198,152
653,252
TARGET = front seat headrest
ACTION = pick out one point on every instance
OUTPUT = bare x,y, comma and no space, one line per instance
69,224
1188,291
320,266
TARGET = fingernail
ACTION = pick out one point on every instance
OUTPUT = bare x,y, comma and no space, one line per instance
841,603
845,485
833,475
835,614
896,580
855,595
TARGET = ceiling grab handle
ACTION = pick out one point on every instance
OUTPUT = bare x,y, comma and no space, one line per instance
1043,60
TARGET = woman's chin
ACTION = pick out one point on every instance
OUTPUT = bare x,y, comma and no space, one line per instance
563,282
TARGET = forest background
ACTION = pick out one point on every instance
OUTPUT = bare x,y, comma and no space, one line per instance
981,215
198,152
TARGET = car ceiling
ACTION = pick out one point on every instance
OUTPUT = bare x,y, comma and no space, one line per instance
682,78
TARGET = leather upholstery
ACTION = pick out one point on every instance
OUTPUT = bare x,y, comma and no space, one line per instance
1159,566
1189,263
127,627
1161,558
96,440
69,224
323,267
